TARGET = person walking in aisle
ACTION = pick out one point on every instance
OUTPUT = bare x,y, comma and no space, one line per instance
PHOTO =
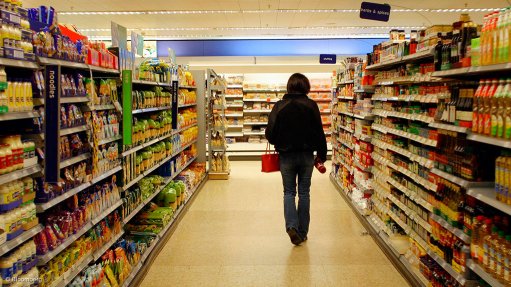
296,131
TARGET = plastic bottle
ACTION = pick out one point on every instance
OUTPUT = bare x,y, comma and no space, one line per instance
487,100
499,170
485,230
507,179
476,104
489,250
476,235
500,253
507,116
480,106
501,112
494,107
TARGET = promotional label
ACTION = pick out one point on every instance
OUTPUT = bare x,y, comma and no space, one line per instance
52,125
174,104
375,11
327,59
119,36
127,116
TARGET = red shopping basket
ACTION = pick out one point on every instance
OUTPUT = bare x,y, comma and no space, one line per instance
270,160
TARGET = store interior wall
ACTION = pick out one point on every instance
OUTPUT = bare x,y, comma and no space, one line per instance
260,64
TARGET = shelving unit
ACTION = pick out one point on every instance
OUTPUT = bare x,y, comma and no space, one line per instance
219,167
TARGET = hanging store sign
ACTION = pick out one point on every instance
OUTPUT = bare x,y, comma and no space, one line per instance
52,125
375,11
327,58
119,36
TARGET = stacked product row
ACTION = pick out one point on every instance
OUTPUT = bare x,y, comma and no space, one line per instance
441,153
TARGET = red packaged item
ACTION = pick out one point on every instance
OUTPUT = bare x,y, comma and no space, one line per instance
41,243
51,238
58,232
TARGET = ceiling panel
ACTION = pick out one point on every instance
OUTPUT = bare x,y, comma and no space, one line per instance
293,22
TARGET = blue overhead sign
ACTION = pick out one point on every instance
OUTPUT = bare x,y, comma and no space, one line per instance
327,59
375,11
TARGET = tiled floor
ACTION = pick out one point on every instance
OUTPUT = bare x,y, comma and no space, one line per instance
234,235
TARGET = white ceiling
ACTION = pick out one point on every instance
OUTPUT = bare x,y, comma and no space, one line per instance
255,18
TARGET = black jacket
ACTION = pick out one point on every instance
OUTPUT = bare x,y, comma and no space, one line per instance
295,125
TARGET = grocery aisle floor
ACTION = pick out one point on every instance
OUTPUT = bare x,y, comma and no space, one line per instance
234,235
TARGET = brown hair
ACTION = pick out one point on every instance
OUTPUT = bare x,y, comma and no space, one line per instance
298,84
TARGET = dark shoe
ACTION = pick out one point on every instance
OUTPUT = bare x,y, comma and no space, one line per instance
293,235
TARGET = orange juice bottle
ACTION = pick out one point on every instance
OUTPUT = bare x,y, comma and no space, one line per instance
475,105
480,105
487,104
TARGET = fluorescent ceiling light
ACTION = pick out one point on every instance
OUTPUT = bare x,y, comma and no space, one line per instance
178,12
222,37
259,28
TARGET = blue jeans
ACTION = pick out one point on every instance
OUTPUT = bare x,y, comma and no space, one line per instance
295,164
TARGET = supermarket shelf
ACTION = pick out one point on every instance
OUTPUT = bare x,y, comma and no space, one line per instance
472,71
233,96
256,111
327,100
460,181
255,123
106,175
415,271
102,107
449,127
404,134
489,196
41,207
219,107
472,265
149,83
505,143
456,231
109,140
70,100
43,259
97,255
365,89
411,214
235,86
18,64
147,172
424,182
234,126
324,90
187,105
401,60
413,117
421,160
73,160
233,115
234,106
159,241
103,70
69,131
70,274
11,116
346,82
429,98
447,267
21,173
361,167
254,133
105,213
325,111
364,117
149,143
148,110
347,129
347,97
11,244
345,113
217,88
187,87
365,138
261,100
146,201
185,128
62,63
264,90
234,134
